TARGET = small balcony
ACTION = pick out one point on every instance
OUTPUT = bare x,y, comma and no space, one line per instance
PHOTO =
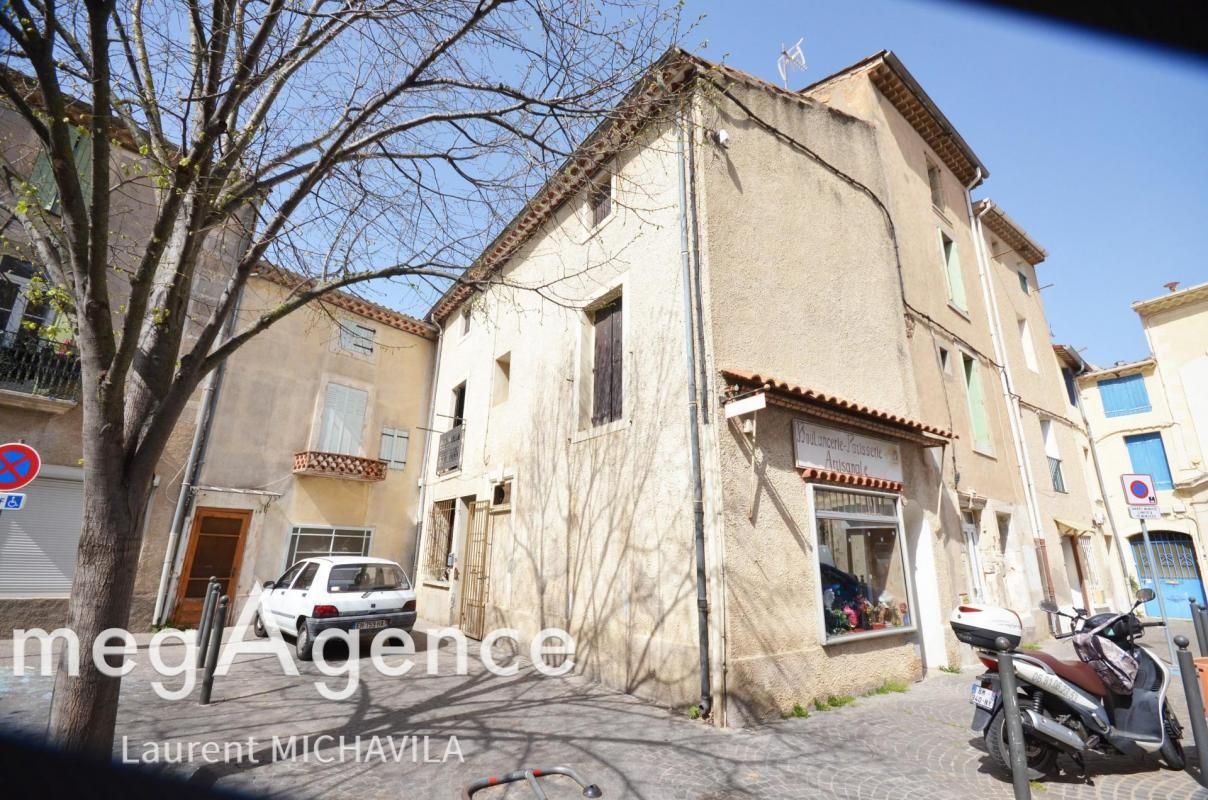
38,373
448,450
339,465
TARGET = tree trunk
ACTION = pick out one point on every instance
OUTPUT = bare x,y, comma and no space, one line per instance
84,709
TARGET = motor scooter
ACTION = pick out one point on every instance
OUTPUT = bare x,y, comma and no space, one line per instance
1065,705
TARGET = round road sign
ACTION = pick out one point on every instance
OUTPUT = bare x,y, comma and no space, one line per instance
19,464
1139,490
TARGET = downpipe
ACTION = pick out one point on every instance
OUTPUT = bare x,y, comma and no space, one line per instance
698,506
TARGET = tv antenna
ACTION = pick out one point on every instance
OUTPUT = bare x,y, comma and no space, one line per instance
790,57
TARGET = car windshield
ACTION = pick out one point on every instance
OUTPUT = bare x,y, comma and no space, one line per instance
366,577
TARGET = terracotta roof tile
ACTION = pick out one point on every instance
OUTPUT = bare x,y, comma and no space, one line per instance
848,479
832,401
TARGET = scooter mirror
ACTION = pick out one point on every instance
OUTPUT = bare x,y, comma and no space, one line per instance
1145,595
1049,607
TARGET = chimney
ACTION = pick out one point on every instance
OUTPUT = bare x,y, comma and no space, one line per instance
1172,286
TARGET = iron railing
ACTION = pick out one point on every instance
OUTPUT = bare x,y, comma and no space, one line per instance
43,367
1055,474
448,450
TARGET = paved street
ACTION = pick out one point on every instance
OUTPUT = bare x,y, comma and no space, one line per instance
914,745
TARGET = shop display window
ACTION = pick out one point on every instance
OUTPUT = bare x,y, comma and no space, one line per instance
862,562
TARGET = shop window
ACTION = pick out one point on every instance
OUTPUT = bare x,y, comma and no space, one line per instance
862,562
314,541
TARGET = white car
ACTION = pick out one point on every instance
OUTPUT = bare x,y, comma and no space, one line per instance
351,593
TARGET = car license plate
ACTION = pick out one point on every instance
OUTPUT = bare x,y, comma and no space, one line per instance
371,624
983,698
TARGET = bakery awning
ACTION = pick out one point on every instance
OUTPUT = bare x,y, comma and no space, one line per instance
835,409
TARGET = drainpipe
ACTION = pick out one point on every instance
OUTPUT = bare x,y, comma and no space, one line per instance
1107,506
423,478
1008,393
196,457
698,504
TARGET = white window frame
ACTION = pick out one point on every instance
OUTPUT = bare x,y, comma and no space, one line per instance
907,566
291,549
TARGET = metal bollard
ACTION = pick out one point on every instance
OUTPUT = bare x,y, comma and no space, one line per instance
1195,706
1199,617
207,614
217,624
1010,707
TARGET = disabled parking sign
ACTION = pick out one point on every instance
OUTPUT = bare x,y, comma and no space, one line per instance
11,502
19,465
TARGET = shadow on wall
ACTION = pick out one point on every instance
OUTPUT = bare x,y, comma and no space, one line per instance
600,540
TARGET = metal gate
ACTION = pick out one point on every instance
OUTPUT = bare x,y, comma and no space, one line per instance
1178,578
476,580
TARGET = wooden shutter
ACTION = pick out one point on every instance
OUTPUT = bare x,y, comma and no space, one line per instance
615,375
42,178
343,419
601,380
394,447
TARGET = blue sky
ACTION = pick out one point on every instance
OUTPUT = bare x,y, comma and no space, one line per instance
1096,147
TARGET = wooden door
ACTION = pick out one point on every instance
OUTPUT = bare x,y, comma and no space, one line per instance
476,578
215,550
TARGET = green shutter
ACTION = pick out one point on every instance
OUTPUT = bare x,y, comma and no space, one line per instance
977,406
81,147
956,282
42,179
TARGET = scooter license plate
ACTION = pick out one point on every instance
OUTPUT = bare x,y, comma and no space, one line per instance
983,698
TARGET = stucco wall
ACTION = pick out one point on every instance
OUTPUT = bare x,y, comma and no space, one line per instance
599,538
270,407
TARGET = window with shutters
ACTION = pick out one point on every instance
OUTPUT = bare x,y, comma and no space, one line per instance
599,199
1124,395
975,395
343,420
1053,454
952,270
42,177
1147,454
607,364
356,338
394,447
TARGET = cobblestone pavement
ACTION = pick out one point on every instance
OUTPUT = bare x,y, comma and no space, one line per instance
912,745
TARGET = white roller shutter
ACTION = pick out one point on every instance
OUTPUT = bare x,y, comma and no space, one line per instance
38,544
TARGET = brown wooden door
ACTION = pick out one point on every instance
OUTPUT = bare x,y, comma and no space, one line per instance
215,550
475,582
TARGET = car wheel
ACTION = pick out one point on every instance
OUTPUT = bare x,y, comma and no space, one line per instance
1042,759
304,644
258,627
1171,751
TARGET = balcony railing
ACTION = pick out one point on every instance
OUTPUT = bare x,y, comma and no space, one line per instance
40,367
448,450
1055,474
339,465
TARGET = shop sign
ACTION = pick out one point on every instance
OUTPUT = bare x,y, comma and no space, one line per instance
821,447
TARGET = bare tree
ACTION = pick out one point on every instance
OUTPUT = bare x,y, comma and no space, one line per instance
345,140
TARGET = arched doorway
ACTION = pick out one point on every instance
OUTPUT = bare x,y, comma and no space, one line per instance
1178,579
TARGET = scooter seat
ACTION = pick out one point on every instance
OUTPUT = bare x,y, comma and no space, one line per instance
1078,673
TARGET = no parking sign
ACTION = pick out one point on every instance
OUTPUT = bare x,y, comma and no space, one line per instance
1138,490
19,465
